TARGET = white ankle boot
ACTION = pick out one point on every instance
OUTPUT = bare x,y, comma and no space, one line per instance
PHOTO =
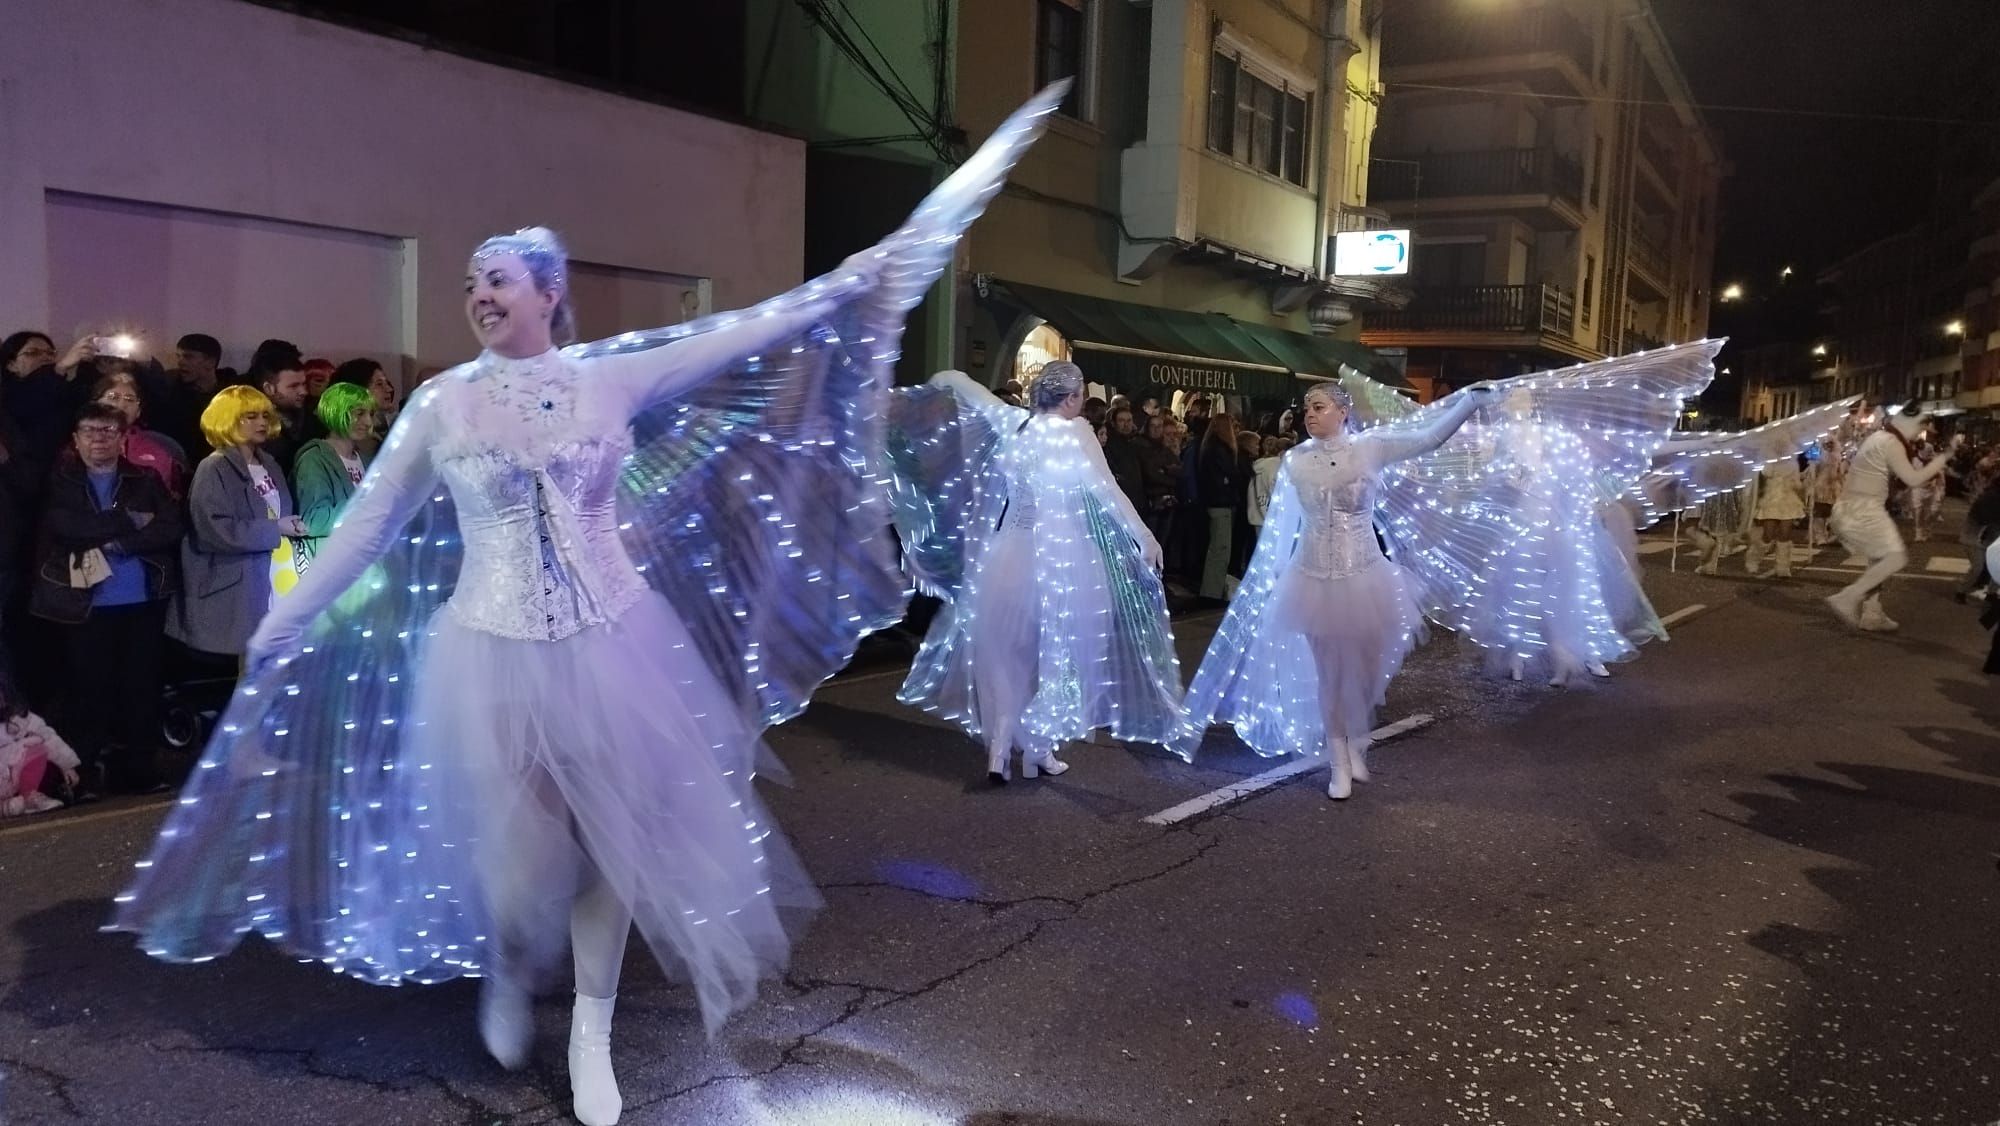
1342,783
1041,762
592,1086
1783,568
1357,759
506,1022
1711,555
997,762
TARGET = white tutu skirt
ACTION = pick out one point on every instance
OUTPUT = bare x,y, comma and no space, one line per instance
1780,502
609,754
1359,628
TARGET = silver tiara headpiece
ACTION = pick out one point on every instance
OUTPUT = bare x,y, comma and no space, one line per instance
527,240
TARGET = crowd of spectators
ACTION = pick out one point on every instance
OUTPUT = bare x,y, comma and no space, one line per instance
151,507
1202,478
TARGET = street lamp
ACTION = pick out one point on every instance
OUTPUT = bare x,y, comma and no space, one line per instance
1784,273
1732,292
1955,328
1819,349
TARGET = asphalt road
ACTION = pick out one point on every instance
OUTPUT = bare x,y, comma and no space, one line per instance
1749,879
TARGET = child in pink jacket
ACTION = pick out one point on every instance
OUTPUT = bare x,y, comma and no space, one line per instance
28,748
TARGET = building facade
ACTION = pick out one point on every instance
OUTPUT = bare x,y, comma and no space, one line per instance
1777,381
1561,185
1978,322
1894,318
1171,232
243,200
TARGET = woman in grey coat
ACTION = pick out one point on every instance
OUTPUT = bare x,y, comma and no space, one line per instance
238,552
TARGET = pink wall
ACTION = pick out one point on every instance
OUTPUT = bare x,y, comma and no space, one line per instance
229,107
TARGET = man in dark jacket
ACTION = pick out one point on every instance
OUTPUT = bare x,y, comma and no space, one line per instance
107,567
175,403
1125,451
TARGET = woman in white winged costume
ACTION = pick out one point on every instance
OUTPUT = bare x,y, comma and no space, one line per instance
1560,598
582,582
1322,621
1055,624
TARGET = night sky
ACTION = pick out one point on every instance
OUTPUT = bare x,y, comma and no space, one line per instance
1806,190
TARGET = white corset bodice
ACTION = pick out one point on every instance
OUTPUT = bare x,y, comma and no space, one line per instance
1336,497
1024,458
532,457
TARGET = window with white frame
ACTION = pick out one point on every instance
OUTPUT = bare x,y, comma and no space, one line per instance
1258,116
1063,50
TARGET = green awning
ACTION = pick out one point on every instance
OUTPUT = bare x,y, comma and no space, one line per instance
1144,350
1322,357
1147,351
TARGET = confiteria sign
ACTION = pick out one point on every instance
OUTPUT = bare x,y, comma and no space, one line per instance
1191,378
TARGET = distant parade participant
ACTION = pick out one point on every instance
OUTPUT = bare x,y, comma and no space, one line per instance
1781,504
1861,516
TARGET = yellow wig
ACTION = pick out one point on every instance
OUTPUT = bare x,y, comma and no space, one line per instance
222,419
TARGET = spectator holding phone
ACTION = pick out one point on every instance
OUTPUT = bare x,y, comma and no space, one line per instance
43,390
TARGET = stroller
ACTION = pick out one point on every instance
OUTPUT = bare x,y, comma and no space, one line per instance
196,689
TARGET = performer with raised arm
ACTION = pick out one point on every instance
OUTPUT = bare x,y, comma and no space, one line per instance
1861,516
1323,620
1056,625
595,575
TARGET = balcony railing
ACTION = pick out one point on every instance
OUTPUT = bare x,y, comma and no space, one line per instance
1649,254
1636,341
1361,219
1428,33
1484,308
1486,172
1660,155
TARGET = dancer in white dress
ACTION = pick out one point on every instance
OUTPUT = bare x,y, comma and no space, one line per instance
1555,594
1861,516
542,736
1307,672
1781,504
1055,624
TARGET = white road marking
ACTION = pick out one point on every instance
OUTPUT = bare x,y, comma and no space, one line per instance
1850,572
1683,614
1947,565
1237,791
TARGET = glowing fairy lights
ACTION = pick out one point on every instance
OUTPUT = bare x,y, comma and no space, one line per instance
1489,503
1689,470
1301,659
730,464
963,464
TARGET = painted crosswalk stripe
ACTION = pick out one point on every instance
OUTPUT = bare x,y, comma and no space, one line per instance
1237,791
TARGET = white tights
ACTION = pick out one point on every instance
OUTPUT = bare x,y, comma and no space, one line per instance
543,858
